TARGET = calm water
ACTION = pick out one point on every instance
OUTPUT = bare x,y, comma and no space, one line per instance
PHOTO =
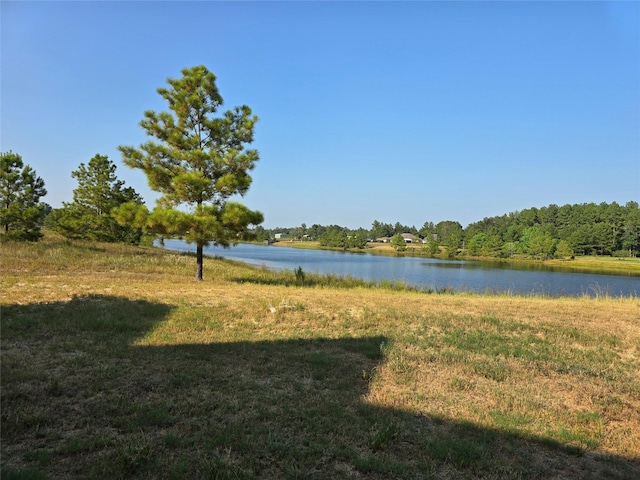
428,273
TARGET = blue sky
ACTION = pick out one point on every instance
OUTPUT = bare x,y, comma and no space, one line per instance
391,111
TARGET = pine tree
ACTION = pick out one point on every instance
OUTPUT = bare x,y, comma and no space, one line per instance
22,213
98,192
197,163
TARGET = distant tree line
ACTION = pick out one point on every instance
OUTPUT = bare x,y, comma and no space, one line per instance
547,232
582,229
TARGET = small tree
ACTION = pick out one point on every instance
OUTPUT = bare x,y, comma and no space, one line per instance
197,164
399,243
563,249
537,243
453,243
492,247
630,237
89,216
357,238
379,229
476,244
431,247
22,212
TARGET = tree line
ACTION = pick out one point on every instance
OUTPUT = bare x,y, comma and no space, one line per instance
580,229
90,216
546,232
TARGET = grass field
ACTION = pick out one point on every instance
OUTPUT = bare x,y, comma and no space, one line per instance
116,363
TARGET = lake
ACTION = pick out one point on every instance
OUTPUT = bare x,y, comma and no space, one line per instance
425,273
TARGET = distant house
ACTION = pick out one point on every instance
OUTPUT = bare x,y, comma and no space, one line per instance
383,239
280,236
409,237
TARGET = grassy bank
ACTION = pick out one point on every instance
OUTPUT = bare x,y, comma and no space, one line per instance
592,264
116,363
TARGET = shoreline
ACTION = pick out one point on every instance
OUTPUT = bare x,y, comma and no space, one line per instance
581,264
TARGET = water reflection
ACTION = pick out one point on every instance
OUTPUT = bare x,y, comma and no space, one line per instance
431,274
452,264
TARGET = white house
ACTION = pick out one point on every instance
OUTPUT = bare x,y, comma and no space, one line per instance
409,237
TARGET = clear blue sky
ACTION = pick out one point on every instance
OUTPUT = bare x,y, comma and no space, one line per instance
389,111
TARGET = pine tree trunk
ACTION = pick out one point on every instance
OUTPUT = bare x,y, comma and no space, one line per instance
199,261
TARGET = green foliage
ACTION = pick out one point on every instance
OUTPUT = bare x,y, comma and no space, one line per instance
300,275
431,247
98,193
561,232
537,243
428,230
379,229
199,161
21,212
476,243
447,228
563,249
398,242
630,237
340,237
449,235
585,229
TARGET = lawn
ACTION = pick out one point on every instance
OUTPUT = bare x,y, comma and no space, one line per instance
117,363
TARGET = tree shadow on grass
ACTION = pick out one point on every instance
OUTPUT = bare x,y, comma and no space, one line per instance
81,399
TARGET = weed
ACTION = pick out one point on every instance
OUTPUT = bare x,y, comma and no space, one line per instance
300,275
171,439
382,434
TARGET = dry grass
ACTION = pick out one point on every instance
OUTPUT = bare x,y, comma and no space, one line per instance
116,363
600,263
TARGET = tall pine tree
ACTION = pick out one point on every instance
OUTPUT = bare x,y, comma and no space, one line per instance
197,163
